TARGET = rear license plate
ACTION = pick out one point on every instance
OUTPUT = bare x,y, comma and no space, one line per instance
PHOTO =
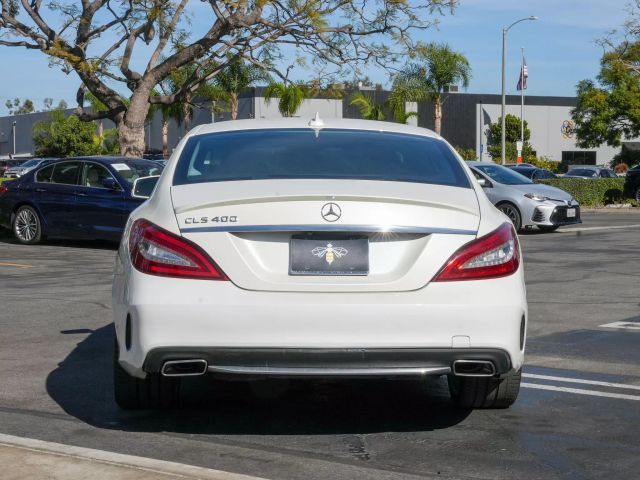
309,256
571,212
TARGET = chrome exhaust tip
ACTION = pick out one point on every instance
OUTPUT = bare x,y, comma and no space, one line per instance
184,368
474,368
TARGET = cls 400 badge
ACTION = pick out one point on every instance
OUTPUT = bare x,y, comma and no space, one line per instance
220,219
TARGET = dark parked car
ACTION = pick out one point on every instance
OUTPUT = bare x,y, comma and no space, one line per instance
590,172
88,198
531,172
632,183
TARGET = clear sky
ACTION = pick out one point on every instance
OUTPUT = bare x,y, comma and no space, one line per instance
560,49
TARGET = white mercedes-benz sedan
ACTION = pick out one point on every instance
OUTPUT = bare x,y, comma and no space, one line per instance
318,248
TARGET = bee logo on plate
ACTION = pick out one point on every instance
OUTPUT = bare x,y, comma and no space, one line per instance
329,252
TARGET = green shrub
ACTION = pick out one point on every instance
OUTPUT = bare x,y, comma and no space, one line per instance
591,192
467,153
545,162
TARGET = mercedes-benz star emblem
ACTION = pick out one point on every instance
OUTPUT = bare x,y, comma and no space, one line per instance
331,212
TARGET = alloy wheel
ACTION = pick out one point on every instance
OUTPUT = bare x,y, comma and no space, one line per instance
26,225
513,214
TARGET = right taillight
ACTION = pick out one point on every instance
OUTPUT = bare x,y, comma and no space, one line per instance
492,256
3,189
156,251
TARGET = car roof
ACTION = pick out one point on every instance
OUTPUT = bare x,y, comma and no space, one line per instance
101,159
475,163
306,122
586,167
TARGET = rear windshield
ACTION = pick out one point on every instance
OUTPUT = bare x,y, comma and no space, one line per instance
527,172
582,172
130,170
329,153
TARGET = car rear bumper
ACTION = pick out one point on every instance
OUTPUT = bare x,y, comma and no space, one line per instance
310,362
228,326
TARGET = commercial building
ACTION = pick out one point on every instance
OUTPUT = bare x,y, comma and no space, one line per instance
466,118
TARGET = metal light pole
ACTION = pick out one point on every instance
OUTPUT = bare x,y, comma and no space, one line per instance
14,136
504,79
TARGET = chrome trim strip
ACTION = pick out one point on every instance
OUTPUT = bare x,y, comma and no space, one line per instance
319,371
331,228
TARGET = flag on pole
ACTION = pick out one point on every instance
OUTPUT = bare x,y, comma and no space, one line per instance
524,74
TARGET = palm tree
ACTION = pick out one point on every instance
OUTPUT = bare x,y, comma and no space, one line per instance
417,82
368,108
173,111
229,83
290,95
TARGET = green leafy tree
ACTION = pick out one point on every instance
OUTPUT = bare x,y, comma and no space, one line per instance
48,105
231,81
439,67
369,109
132,46
512,135
16,107
290,96
62,136
467,153
409,85
608,108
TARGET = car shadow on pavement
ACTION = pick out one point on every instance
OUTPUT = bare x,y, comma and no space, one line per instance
82,386
7,237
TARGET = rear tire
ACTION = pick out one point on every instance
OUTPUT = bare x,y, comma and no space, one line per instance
27,226
482,392
511,211
548,228
152,392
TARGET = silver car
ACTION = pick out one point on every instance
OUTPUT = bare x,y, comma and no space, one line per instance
524,202
24,167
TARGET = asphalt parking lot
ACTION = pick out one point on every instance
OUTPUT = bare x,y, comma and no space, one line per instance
577,416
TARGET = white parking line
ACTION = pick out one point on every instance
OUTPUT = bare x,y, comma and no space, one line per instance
593,229
130,461
583,381
623,325
581,391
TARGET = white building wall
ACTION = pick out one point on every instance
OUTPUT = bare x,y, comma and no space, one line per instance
546,126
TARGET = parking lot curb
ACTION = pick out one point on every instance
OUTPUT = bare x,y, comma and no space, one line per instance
630,210
131,462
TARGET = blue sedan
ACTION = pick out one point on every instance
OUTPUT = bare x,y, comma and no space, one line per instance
84,198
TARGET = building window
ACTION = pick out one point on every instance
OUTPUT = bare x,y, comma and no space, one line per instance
578,157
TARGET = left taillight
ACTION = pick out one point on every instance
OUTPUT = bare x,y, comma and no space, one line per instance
3,189
494,255
156,251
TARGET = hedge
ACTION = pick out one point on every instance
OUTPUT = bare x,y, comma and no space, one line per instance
590,192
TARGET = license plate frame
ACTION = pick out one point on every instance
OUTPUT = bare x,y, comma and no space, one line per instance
328,256
571,213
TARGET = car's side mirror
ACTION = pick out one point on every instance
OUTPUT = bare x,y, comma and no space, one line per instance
484,183
143,186
110,183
